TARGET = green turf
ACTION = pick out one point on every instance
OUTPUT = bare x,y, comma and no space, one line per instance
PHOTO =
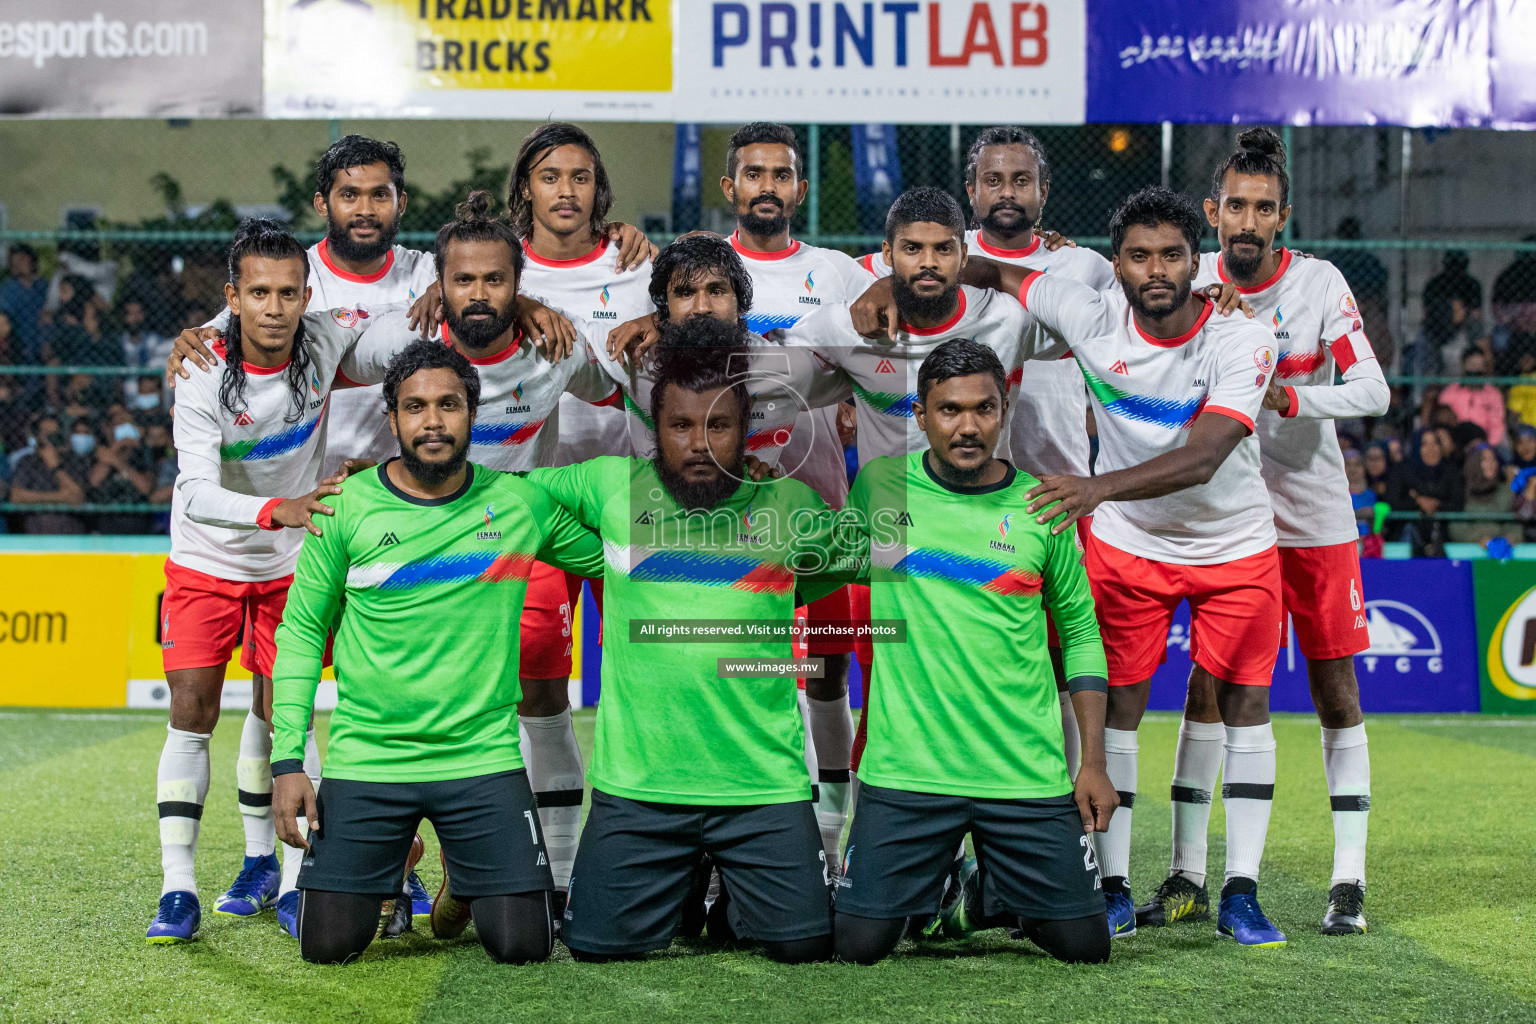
1452,908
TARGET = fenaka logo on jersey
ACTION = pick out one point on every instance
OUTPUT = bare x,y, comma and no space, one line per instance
605,313
490,515
746,522
1512,650
1275,322
809,297
1002,529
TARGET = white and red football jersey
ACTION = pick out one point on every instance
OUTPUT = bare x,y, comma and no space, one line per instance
788,286
358,428
590,288
1147,393
1049,422
1317,328
883,374
516,424
235,466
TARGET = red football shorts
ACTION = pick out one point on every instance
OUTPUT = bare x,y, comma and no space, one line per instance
1321,589
1234,613
546,623
202,617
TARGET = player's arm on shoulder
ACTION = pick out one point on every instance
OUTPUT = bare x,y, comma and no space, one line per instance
383,336
593,378
565,542
577,488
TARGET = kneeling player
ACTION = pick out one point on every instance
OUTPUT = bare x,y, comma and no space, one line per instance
687,762
433,556
966,735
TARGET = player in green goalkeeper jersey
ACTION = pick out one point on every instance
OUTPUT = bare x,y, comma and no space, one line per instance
432,556
690,760
964,727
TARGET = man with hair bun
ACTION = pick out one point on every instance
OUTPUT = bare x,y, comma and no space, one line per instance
1319,334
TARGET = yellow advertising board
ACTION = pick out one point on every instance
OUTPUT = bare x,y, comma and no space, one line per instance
469,58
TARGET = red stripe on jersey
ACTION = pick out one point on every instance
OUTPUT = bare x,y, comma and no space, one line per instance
867,261
941,328
1233,413
523,434
1007,254
1205,314
1020,582
1290,410
752,254
774,579
1015,377
1300,364
615,399
264,517
1343,349
1029,279
578,261
507,567
769,438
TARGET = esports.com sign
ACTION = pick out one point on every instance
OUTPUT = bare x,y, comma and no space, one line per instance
1512,650
101,37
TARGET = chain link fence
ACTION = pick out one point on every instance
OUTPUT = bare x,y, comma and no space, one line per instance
1433,230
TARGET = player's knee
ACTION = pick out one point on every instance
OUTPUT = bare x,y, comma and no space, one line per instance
335,928
865,940
517,948
514,929
1082,940
544,698
584,957
800,951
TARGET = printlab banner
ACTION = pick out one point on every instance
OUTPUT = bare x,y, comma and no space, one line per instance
130,58
1402,62
1423,653
529,59
849,61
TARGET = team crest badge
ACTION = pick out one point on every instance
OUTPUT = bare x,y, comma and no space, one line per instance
1264,358
345,317
1347,306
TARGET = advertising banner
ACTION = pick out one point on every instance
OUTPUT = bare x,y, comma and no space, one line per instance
1401,62
130,58
939,61
1506,635
64,629
607,60
1423,653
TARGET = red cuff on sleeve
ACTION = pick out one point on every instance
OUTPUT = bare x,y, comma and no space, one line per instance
1290,411
264,517
615,400
1233,413
343,381
1029,279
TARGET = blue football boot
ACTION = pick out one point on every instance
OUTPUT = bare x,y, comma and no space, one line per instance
177,919
254,889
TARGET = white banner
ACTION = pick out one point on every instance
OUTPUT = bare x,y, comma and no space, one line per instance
938,61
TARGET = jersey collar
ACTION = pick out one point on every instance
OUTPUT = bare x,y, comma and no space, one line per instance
926,332
1009,472
500,357
447,499
324,250
752,254
578,261
1007,254
261,371
1205,314
1285,263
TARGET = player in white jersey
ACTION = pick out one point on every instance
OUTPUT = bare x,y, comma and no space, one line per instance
245,438
765,184
1008,179
1182,514
1318,331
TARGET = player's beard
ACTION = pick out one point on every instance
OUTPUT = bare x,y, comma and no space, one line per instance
1159,308
339,240
960,476
1007,219
479,334
1243,266
432,474
753,224
914,307
703,495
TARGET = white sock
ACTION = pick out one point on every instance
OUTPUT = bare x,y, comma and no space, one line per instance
1248,790
253,779
293,856
181,787
1072,741
1120,749
1347,763
1195,767
832,738
556,774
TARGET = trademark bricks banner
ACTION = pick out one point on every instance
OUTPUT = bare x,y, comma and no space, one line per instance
528,59
938,61
1423,654
130,58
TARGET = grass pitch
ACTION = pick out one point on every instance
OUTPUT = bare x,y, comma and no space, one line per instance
1451,904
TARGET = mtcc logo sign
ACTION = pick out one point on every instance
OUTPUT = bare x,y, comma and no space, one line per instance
1512,650
1400,633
